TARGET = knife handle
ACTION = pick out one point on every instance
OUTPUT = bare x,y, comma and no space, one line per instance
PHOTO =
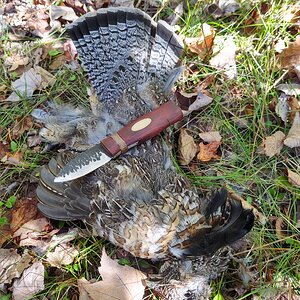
142,129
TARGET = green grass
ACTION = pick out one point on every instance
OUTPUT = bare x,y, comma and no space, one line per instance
272,260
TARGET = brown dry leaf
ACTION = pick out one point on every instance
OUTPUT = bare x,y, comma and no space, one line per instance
202,45
210,136
294,178
251,21
187,147
70,50
30,283
33,230
21,125
63,255
24,210
290,56
58,62
224,59
208,152
185,99
293,137
12,264
15,159
34,79
15,62
206,82
119,282
273,144
278,228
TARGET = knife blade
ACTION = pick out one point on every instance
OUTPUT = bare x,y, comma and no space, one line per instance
136,132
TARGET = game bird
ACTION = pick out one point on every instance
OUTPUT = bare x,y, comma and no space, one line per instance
138,200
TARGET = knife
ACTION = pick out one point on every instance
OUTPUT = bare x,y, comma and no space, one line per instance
138,131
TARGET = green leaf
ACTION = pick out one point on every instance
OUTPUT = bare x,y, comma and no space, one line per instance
53,53
76,267
3,221
73,77
124,262
218,297
14,75
11,201
5,297
13,146
144,264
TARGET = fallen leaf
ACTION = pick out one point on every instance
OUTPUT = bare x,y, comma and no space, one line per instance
34,79
294,106
12,264
123,3
290,56
208,151
273,144
293,137
33,230
70,50
251,21
211,136
282,107
119,282
291,89
58,62
63,255
278,228
201,101
202,45
223,8
225,57
294,178
15,62
187,147
24,210
15,159
206,82
30,283
64,12
21,125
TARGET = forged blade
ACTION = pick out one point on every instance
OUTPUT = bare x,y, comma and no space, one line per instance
83,163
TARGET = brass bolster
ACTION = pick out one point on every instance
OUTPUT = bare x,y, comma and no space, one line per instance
121,143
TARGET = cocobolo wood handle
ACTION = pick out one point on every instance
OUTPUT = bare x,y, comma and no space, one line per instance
142,129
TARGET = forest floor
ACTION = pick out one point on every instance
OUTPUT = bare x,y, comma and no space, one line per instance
243,56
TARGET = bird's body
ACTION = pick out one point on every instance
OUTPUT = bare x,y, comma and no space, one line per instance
138,201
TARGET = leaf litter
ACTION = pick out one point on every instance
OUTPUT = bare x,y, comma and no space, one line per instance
203,49
118,282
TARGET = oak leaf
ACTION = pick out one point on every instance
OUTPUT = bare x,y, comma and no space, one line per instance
208,151
119,282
